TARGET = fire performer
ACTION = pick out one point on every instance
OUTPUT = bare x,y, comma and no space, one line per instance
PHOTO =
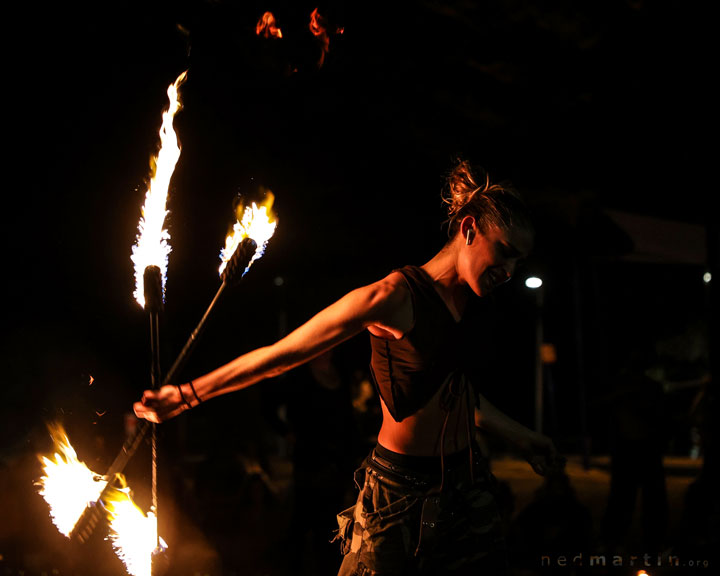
426,504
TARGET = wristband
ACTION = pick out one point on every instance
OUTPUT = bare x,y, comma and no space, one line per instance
195,393
179,387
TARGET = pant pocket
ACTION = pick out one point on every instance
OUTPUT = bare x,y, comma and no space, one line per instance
382,502
346,521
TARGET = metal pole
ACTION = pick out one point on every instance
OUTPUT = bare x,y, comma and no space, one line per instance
153,304
538,359
579,323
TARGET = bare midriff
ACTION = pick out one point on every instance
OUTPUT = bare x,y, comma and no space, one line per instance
420,433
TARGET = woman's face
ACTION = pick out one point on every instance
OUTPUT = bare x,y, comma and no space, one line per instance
491,257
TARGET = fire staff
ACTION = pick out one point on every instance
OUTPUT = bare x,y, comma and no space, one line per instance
426,504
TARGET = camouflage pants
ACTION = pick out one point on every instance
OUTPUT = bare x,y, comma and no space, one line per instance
403,525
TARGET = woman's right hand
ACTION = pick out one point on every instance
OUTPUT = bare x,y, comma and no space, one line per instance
162,404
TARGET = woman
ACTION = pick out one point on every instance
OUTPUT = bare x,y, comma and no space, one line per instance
426,503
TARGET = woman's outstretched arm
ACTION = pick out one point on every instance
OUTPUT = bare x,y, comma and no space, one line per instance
384,304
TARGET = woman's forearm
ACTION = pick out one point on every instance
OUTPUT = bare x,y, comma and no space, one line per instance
250,368
496,422
537,448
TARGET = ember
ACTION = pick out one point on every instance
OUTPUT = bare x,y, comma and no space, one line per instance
267,28
319,28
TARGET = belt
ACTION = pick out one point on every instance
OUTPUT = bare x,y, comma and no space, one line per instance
457,466
400,476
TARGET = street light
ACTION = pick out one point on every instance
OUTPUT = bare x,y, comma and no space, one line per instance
533,282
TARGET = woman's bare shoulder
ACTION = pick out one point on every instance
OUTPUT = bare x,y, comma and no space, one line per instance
394,306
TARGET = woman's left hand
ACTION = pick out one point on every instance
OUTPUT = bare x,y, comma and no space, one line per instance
542,455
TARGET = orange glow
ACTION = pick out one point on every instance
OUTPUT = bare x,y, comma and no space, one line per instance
152,248
256,222
267,26
319,30
317,23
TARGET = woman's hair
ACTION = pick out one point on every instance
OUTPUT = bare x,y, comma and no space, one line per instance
468,192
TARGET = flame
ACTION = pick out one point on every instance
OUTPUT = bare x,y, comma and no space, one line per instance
317,23
133,534
152,246
266,26
68,485
258,223
319,30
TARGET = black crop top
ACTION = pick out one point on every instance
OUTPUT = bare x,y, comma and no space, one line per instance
408,372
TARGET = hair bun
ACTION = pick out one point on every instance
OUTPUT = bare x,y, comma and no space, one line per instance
462,185
468,192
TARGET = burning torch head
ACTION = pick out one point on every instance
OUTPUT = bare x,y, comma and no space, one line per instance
152,283
92,515
87,522
239,261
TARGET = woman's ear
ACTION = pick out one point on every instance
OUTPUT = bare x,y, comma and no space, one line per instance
467,229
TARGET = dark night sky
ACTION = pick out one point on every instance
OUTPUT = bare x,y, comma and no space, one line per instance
583,108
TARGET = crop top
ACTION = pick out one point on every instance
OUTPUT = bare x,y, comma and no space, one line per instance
409,371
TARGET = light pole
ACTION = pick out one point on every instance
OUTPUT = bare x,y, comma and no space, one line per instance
535,284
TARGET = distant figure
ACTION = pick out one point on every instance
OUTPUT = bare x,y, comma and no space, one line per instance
636,451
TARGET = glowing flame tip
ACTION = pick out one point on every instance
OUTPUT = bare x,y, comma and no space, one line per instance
256,222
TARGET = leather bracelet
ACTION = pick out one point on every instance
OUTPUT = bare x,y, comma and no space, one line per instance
195,393
179,387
